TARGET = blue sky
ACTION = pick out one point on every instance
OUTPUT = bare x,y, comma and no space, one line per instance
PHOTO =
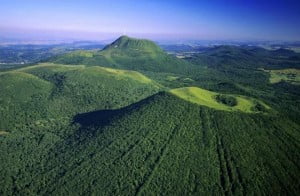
161,19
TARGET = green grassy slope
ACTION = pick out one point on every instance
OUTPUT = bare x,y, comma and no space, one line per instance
165,145
209,99
128,53
128,43
53,91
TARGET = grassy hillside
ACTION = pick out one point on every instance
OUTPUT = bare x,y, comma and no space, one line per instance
52,91
220,101
127,43
162,145
128,53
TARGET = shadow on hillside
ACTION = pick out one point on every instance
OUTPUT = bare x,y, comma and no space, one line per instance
104,117
96,118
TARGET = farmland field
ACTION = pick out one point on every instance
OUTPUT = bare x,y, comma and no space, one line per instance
286,75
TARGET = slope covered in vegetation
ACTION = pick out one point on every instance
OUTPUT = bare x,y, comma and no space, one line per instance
52,91
128,53
162,145
220,101
218,128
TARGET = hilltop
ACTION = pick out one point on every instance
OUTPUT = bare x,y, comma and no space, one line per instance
128,53
128,43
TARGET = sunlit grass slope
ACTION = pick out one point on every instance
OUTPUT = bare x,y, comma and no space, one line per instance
52,91
126,74
128,53
208,98
116,73
21,86
128,43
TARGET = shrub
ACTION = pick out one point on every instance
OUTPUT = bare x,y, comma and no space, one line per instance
226,99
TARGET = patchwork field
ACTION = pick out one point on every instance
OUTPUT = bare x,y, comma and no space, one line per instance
287,75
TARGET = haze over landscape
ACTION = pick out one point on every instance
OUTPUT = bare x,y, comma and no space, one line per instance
170,19
149,97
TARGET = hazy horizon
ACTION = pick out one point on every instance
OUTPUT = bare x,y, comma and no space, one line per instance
166,20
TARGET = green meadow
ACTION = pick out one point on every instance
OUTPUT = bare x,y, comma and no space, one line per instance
208,98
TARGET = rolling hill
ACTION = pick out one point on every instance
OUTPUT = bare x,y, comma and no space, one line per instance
133,120
128,53
54,90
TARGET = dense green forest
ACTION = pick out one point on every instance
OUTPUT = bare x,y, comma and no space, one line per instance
133,120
